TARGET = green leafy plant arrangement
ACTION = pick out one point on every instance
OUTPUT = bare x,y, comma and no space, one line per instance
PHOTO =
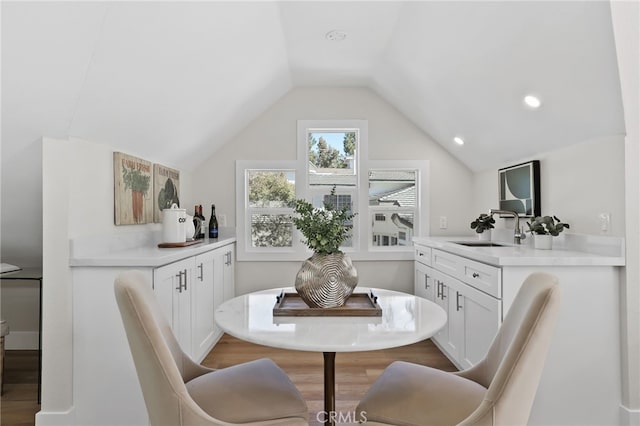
323,228
546,225
483,222
135,180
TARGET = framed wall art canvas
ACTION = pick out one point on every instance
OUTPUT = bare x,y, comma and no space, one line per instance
166,189
133,202
519,188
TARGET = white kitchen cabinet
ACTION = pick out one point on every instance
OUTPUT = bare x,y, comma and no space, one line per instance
172,283
481,285
186,282
202,304
225,275
424,285
473,317
189,291
228,273
477,317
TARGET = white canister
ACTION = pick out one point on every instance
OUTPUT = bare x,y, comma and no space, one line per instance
173,224
189,228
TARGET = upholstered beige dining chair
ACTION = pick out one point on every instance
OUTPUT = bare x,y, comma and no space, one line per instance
177,391
499,390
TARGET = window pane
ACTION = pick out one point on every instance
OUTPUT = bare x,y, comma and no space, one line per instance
273,188
392,188
392,229
271,230
332,157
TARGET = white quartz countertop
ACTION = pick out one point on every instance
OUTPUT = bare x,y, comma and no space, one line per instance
571,251
146,254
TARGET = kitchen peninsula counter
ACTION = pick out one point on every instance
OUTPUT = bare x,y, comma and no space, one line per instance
581,380
569,250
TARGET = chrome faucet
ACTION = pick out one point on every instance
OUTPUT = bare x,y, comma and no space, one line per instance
518,235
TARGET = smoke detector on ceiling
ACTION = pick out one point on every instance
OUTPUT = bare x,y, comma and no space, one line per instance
335,35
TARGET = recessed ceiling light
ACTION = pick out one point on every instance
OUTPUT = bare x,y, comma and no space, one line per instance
532,101
458,140
335,35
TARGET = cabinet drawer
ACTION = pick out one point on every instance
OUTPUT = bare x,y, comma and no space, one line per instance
445,262
479,275
484,277
422,254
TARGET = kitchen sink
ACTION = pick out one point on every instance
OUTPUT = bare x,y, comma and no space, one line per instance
479,243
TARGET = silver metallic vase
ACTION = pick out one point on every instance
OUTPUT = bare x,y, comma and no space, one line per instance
326,280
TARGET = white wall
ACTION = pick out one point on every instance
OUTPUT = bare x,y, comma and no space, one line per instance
577,183
77,201
626,25
272,136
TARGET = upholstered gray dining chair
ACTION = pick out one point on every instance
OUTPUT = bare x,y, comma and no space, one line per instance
177,391
499,390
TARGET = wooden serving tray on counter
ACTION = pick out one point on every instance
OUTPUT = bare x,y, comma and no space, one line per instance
185,244
357,305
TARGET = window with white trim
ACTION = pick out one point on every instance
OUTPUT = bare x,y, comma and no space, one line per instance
389,197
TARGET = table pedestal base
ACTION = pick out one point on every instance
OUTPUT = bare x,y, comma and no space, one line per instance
329,387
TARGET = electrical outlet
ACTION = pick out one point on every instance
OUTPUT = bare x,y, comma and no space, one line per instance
222,220
605,222
443,222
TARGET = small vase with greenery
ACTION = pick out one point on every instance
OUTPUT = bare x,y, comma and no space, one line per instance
327,278
484,222
543,228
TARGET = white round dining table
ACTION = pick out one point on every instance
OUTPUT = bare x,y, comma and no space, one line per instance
405,319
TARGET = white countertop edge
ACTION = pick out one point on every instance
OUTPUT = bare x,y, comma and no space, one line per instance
149,255
521,255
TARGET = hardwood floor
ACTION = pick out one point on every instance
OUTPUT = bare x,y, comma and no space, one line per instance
355,372
19,401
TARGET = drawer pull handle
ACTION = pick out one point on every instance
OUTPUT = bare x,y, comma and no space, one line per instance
458,307
475,275
201,267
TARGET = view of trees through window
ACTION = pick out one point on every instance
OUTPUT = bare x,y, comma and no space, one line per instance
269,190
332,150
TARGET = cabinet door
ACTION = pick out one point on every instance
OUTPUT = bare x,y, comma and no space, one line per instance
479,316
424,285
441,298
229,274
176,279
452,341
202,305
224,280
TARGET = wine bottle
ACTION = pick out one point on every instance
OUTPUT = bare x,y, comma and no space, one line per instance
204,223
213,223
197,223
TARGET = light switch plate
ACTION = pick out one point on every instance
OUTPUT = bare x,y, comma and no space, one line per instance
443,222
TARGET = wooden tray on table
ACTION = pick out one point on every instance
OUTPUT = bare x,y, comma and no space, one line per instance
357,305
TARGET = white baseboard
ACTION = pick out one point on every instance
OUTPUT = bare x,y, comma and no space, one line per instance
21,340
629,417
55,418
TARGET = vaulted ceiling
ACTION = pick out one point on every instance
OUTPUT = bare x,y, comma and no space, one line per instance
176,80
